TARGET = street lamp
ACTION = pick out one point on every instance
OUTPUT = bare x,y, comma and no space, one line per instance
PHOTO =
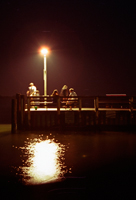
44,52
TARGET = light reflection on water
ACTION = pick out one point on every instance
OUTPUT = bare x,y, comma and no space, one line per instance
43,161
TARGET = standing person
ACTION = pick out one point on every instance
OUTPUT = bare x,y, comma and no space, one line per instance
31,90
71,100
64,92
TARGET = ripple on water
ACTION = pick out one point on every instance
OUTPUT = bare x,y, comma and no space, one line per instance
43,160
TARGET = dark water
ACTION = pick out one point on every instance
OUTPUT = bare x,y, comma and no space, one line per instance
69,165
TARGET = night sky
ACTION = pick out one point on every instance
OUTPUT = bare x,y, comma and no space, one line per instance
92,46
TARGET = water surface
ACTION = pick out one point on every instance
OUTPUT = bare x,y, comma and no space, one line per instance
61,162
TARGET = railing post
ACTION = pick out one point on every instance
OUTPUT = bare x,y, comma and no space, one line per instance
96,106
80,107
45,101
58,110
14,116
131,109
80,104
131,104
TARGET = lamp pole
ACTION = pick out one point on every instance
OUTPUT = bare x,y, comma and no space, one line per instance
44,52
45,76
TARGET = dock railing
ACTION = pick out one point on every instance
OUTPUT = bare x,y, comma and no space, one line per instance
96,104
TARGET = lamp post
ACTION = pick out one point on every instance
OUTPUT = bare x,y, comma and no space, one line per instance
44,52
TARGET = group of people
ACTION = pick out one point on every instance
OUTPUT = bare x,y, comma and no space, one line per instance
68,96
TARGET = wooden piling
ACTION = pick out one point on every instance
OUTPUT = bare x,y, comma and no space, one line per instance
14,116
18,97
22,110
96,106
28,112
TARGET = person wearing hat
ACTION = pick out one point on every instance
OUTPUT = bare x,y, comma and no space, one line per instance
31,90
72,100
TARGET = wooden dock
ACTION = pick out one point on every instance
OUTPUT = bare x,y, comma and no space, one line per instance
89,113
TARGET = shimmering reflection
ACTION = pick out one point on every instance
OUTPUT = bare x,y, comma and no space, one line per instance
43,161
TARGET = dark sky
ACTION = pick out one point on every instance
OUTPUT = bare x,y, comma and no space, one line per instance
92,46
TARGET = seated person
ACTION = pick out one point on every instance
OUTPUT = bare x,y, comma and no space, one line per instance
55,95
71,101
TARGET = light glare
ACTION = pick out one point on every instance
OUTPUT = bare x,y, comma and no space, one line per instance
44,51
44,161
